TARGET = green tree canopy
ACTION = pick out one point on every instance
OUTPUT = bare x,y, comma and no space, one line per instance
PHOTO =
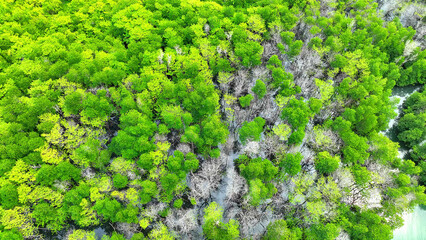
325,163
215,228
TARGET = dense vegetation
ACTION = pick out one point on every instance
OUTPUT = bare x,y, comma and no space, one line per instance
111,110
411,132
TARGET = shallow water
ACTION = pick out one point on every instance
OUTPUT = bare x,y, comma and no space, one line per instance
414,226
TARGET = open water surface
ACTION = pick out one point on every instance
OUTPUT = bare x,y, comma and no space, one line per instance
414,226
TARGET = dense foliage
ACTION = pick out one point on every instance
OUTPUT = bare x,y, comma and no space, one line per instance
411,132
111,110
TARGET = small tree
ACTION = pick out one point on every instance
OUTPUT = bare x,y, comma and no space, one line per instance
259,89
291,163
82,234
325,163
108,208
245,100
411,128
258,168
175,117
252,130
178,203
250,53
8,196
258,191
361,175
295,48
297,136
282,131
319,231
149,190
279,230
214,228
46,215
120,181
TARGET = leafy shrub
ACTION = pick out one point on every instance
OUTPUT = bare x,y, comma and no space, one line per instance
120,181
259,89
325,163
178,203
245,100
214,228
252,130
291,163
